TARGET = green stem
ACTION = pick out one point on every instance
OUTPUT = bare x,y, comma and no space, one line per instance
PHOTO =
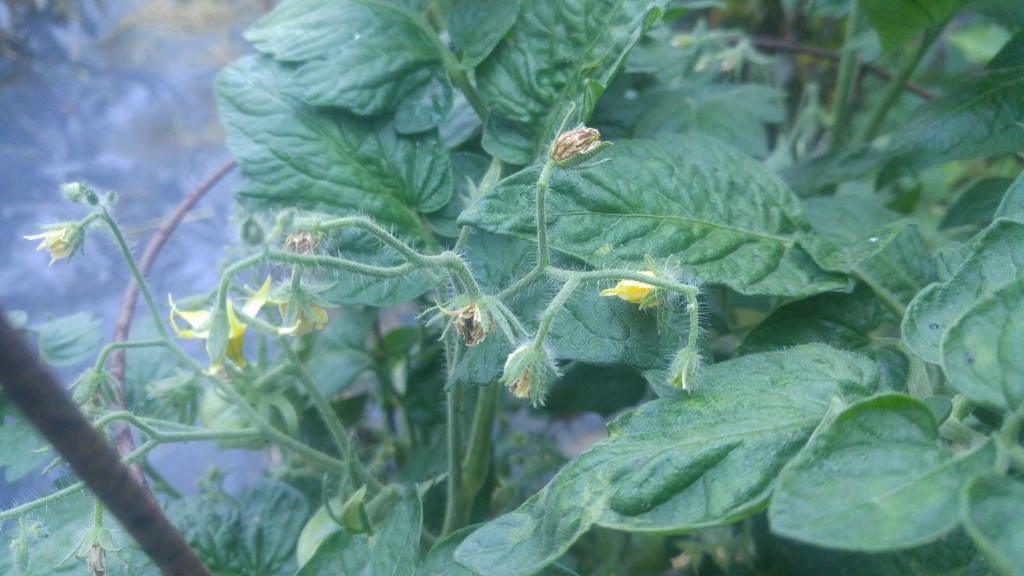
552,310
476,459
895,87
134,456
478,451
1007,448
530,277
460,242
543,255
692,309
960,433
97,513
109,349
845,85
334,425
453,508
887,298
459,271
268,431
42,502
157,480
140,280
962,407
375,230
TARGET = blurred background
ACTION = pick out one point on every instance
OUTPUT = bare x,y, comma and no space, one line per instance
119,95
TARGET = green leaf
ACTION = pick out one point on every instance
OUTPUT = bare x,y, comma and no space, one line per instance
440,561
295,156
733,113
367,57
843,321
719,215
897,21
981,351
253,533
426,107
467,171
391,550
899,271
1012,204
813,175
679,464
1000,11
70,339
876,479
994,260
993,513
19,457
832,253
1012,53
856,234
591,388
349,288
952,554
590,328
558,54
340,354
976,205
61,527
980,118
477,27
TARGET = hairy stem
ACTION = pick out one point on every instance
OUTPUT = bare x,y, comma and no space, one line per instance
334,425
454,507
895,87
543,255
845,82
140,280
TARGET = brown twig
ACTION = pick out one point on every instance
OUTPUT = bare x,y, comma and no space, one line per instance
122,432
44,401
784,46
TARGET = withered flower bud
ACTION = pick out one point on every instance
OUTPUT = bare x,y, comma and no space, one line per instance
518,370
470,325
97,560
520,387
575,143
301,242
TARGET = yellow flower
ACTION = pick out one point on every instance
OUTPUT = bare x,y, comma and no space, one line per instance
303,321
635,292
60,240
199,325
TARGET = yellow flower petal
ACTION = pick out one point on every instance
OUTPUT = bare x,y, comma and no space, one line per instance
196,319
634,292
60,241
257,300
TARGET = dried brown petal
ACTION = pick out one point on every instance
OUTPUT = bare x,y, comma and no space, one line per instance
302,242
520,387
575,143
469,325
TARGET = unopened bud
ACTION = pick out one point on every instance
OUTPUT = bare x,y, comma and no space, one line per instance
575,143
683,373
252,232
80,193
